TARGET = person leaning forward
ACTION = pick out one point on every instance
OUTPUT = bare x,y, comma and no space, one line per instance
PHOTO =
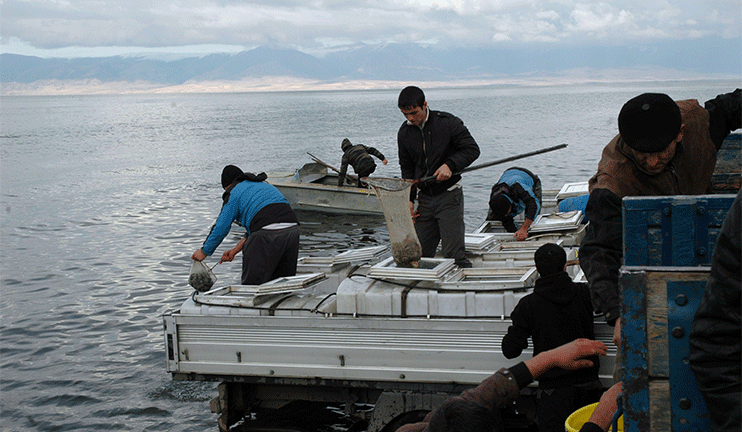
477,409
517,191
437,144
270,247
663,148
359,157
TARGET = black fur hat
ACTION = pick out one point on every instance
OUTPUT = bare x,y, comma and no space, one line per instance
649,122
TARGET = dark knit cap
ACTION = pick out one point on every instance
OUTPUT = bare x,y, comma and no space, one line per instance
229,174
499,205
649,122
550,259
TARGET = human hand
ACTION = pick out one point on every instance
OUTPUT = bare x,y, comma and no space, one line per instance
385,161
199,255
603,413
571,356
414,213
521,234
617,333
229,255
443,173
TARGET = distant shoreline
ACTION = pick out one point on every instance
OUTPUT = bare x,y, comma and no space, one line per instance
288,84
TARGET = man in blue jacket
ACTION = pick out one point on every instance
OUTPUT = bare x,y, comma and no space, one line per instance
270,247
435,144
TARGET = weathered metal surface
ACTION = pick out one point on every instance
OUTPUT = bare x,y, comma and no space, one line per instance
727,177
634,347
660,392
689,411
672,230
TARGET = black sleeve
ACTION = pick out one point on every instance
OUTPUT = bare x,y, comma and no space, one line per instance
528,201
343,170
725,115
601,252
374,152
714,340
591,427
516,339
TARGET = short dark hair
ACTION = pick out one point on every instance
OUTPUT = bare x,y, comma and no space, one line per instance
459,415
411,96
550,259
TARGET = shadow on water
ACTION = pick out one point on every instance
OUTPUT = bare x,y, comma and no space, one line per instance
329,234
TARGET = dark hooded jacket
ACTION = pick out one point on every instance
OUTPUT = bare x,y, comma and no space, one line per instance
557,312
359,157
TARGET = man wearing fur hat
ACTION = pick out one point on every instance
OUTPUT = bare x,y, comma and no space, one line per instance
663,148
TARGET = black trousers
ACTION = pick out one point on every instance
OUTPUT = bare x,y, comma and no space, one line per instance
269,254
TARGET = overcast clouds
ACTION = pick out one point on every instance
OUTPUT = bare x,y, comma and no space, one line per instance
59,28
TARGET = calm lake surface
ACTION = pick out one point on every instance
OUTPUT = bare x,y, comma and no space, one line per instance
104,198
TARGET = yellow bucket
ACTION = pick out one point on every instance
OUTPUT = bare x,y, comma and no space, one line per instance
578,418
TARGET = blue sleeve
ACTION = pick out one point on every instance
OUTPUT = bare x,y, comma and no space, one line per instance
222,226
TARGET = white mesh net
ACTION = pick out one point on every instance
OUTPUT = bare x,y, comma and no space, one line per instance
394,195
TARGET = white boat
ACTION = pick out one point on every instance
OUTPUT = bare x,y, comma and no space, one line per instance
313,188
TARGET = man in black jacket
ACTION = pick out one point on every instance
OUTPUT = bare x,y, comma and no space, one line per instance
435,144
558,311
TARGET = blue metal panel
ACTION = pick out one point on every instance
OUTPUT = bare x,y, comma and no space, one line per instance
689,411
635,375
672,230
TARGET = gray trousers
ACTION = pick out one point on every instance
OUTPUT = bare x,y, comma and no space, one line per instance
442,220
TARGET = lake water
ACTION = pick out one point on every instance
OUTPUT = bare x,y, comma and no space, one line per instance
104,198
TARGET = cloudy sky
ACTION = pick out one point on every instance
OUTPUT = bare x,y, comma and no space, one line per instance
79,28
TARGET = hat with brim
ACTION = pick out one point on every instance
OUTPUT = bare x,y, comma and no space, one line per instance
649,122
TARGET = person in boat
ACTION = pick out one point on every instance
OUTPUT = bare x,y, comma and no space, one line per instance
359,157
435,144
270,247
517,191
715,339
663,147
476,409
558,311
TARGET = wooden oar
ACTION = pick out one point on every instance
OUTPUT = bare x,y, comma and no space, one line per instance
316,159
500,161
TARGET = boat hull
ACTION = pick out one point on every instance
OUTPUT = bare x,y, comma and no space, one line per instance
323,195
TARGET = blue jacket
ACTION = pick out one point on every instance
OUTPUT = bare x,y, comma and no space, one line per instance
518,185
245,200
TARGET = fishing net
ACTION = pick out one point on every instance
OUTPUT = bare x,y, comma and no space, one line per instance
394,195
201,278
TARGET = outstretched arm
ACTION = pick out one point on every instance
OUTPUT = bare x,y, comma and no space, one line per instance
569,356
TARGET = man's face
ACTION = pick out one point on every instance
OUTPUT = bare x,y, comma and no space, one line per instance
416,115
656,162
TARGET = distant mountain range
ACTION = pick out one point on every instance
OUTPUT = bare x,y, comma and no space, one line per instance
390,62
